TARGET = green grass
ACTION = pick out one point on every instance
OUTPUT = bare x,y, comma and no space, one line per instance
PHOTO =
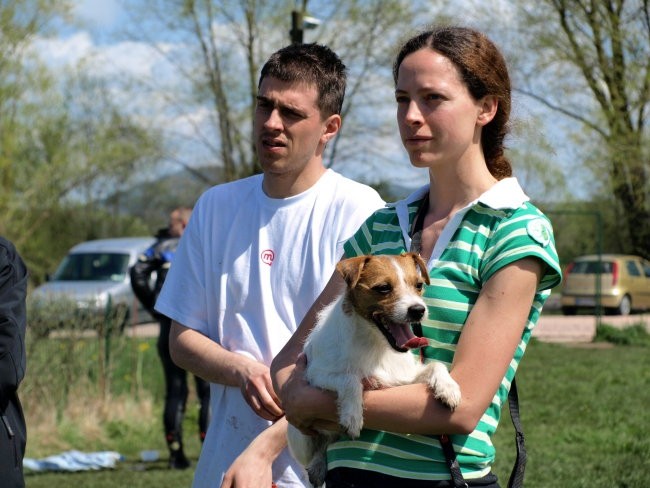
91,394
584,409
633,335
586,417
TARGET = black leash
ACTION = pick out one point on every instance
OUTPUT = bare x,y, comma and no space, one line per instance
517,476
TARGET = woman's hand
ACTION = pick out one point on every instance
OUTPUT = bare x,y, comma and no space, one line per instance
307,408
253,467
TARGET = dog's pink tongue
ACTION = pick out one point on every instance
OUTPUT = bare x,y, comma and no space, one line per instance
416,343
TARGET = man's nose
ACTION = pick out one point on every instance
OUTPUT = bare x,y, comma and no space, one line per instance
273,121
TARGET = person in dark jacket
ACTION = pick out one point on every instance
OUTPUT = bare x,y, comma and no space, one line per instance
13,431
158,259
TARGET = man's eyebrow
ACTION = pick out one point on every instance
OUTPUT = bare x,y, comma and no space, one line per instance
282,106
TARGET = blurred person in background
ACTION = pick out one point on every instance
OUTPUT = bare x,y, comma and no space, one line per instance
13,431
157,259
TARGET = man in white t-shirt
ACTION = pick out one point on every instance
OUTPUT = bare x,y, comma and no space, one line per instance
255,256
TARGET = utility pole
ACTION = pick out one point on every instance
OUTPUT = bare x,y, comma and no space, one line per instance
296,27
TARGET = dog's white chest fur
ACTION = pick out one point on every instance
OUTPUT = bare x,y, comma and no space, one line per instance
364,335
343,346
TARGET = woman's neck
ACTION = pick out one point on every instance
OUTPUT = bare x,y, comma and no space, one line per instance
454,187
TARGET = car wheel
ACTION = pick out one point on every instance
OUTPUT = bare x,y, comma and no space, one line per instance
625,307
569,310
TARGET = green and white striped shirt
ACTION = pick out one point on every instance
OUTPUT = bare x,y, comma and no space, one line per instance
497,229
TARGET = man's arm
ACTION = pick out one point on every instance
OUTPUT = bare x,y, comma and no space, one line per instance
198,354
253,467
140,274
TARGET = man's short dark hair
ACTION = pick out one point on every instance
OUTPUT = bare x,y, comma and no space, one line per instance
313,64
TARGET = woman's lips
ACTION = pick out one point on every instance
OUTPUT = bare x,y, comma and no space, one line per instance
416,141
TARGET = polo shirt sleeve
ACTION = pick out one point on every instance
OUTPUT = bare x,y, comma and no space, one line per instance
525,233
361,242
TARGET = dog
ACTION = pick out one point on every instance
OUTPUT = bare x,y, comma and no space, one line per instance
363,337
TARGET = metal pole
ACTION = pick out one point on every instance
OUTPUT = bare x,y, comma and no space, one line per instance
296,27
599,250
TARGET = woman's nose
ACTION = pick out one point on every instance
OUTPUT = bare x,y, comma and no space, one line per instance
413,115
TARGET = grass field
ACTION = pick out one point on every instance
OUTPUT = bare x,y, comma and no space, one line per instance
585,410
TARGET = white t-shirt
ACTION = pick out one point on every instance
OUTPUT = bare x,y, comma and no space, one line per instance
247,269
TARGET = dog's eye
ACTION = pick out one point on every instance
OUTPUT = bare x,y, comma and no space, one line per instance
383,289
419,285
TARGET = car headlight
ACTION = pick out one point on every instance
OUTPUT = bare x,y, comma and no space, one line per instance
101,300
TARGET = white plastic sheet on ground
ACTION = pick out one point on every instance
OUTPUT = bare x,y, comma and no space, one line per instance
74,461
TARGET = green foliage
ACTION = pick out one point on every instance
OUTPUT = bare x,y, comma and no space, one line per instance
593,69
634,335
65,145
575,226
586,424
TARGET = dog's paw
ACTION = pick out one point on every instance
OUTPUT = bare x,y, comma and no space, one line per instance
443,386
448,392
352,426
317,470
351,416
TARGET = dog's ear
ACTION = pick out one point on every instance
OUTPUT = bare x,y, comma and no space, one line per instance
351,268
421,265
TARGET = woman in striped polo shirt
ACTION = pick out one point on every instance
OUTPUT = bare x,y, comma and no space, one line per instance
491,259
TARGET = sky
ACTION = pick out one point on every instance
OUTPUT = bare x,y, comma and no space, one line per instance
112,58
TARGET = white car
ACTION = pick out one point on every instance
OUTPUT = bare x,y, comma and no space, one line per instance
93,283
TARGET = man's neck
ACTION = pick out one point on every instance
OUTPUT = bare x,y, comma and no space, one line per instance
288,185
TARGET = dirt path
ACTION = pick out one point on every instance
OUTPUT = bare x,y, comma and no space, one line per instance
581,328
551,328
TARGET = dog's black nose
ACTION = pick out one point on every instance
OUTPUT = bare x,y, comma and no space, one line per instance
416,312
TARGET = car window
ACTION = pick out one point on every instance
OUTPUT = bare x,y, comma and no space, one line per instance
591,267
646,269
632,268
93,267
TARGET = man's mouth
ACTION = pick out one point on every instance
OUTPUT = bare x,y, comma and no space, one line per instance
273,143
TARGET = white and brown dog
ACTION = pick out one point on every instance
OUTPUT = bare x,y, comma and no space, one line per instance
364,335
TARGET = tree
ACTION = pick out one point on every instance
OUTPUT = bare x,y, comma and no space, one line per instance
593,66
218,48
64,144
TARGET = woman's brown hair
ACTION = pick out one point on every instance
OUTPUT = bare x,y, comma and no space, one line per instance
484,71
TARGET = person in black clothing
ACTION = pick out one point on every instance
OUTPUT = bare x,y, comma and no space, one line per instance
158,259
13,431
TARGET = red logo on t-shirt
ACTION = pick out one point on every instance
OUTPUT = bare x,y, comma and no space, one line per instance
267,256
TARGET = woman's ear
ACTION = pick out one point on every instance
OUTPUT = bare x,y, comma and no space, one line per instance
488,109
331,128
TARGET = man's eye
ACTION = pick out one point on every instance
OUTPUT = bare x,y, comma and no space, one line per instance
383,289
292,114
